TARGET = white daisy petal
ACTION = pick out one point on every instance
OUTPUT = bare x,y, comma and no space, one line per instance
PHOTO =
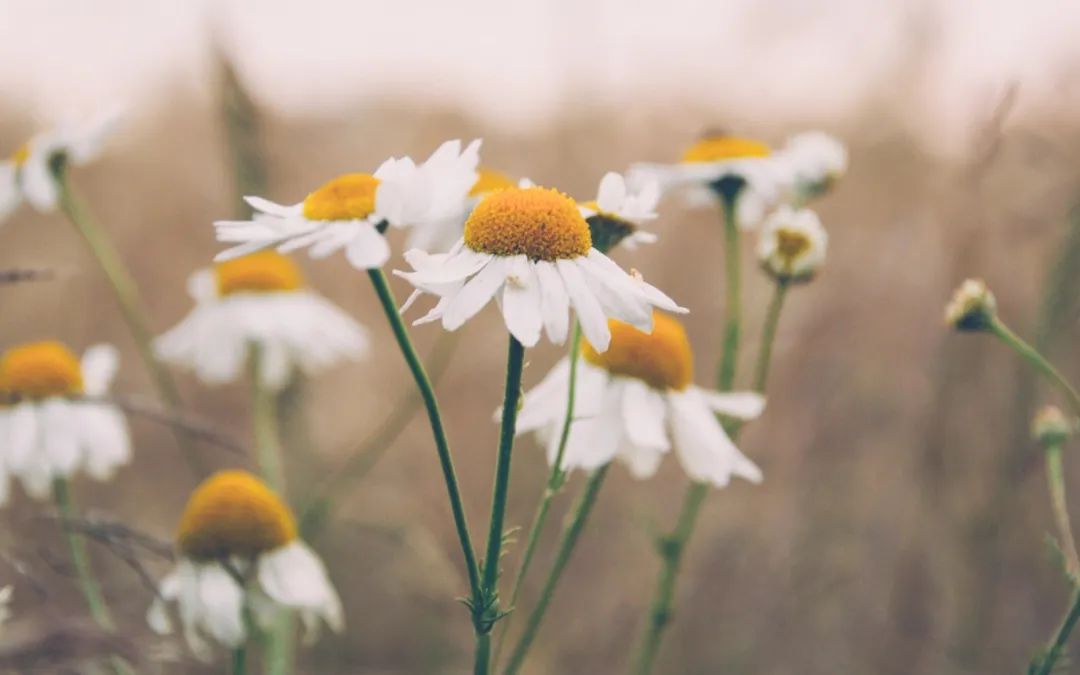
476,293
744,405
521,302
590,315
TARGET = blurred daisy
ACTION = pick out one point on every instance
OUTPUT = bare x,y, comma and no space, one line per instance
53,423
530,249
637,401
28,174
352,211
792,244
259,300
812,162
618,212
238,550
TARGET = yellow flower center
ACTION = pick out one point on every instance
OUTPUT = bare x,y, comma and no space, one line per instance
541,223
662,359
489,180
262,272
40,370
348,197
21,154
720,148
791,244
233,513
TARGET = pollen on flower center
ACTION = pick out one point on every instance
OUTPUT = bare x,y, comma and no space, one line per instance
233,513
791,244
40,370
489,180
21,154
541,223
348,197
262,272
720,148
662,359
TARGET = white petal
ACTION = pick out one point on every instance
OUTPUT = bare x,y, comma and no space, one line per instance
295,577
554,301
273,208
612,192
9,190
590,315
644,415
38,185
475,293
99,364
369,250
706,452
222,603
521,302
743,405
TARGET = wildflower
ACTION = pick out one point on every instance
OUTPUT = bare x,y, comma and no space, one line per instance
259,300
1051,427
792,244
812,162
972,308
238,550
29,174
351,211
531,249
618,211
635,402
52,421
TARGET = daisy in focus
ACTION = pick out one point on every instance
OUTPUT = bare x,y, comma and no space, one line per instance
637,401
28,175
259,301
239,551
792,245
351,212
51,426
618,212
530,249
811,162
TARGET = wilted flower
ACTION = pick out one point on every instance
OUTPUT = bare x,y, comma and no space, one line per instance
239,550
635,402
972,308
351,211
619,211
52,421
792,244
812,162
1051,427
259,300
531,250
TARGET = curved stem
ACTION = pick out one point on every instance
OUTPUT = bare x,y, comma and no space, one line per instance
1055,479
95,601
442,446
127,295
1045,663
571,532
768,335
1037,361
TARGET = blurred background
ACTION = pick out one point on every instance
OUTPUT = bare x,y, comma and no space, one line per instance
901,525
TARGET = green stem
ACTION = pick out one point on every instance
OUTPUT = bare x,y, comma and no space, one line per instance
127,295
239,661
571,532
1046,662
483,654
768,335
442,446
725,376
1036,360
268,454
1055,477
99,610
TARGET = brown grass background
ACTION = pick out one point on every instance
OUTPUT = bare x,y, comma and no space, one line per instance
900,528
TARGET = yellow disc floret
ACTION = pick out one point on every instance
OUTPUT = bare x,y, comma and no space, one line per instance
791,244
233,513
662,359
21,154
262,272
720,148
348,197
541,223
40,370
488,181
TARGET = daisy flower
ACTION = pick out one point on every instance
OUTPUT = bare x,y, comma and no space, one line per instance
239,551
352,211
530,249
259,300
618,212
29,173
812,162
637,401
792,244
53,422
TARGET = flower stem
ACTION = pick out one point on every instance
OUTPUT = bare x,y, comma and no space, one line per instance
442,446
1045,663
1055,478
127,295
488,613
571,532
1036,360
239,660
725,376
99,610
268,453
768,335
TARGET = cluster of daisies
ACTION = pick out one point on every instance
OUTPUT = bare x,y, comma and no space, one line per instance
474,237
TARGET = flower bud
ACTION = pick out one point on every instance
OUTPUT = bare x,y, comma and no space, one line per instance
972,308
1050,426
792,245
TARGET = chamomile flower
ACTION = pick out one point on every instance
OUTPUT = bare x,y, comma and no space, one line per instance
52,421
259,300
792,244
351,211
618,212
812,162
531,250
239,550
28,174
637,401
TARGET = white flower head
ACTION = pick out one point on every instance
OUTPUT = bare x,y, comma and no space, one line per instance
530,250
792,244
635,403
259,300
972,307
812,162
619,211
238,550
351,211
28,175
53,421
